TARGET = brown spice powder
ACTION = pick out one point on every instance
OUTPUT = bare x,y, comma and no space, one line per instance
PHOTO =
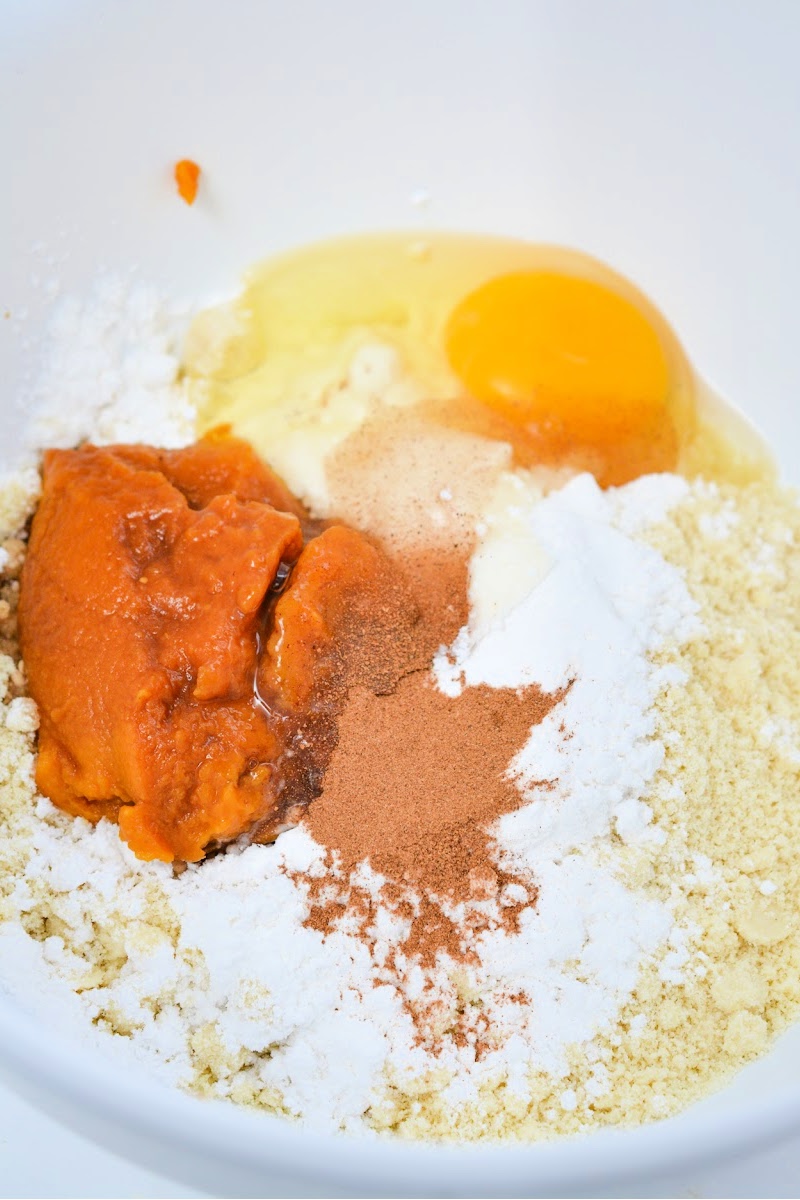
414,785
387,623
413,779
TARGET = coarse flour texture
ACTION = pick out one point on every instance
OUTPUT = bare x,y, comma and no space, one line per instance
663,947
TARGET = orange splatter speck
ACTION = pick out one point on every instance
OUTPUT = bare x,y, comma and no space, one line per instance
187,175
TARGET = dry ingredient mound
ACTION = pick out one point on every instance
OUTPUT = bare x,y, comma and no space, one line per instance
727,857
661,946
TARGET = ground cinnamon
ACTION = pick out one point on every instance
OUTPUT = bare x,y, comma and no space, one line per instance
415,783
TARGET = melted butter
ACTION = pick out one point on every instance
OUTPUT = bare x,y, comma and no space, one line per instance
274,363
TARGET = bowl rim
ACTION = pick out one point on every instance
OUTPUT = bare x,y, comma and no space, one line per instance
261,1142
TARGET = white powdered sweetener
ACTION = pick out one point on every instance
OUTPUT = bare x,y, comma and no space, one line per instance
110,371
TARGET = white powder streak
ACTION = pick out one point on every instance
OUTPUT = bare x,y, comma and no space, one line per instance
110,371
605,603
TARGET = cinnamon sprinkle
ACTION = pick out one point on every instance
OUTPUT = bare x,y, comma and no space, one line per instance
413,781
414,786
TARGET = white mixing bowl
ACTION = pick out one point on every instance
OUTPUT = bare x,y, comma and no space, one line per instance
662,137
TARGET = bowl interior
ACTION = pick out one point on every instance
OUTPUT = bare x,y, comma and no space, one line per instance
658,137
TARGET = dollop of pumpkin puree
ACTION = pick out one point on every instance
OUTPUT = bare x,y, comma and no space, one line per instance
185,689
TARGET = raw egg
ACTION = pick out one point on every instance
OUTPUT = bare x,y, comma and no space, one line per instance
544,349
576,365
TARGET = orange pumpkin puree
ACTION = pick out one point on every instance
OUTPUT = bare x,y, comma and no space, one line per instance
184,691
187,177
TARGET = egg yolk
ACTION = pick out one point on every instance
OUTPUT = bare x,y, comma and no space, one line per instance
577,366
